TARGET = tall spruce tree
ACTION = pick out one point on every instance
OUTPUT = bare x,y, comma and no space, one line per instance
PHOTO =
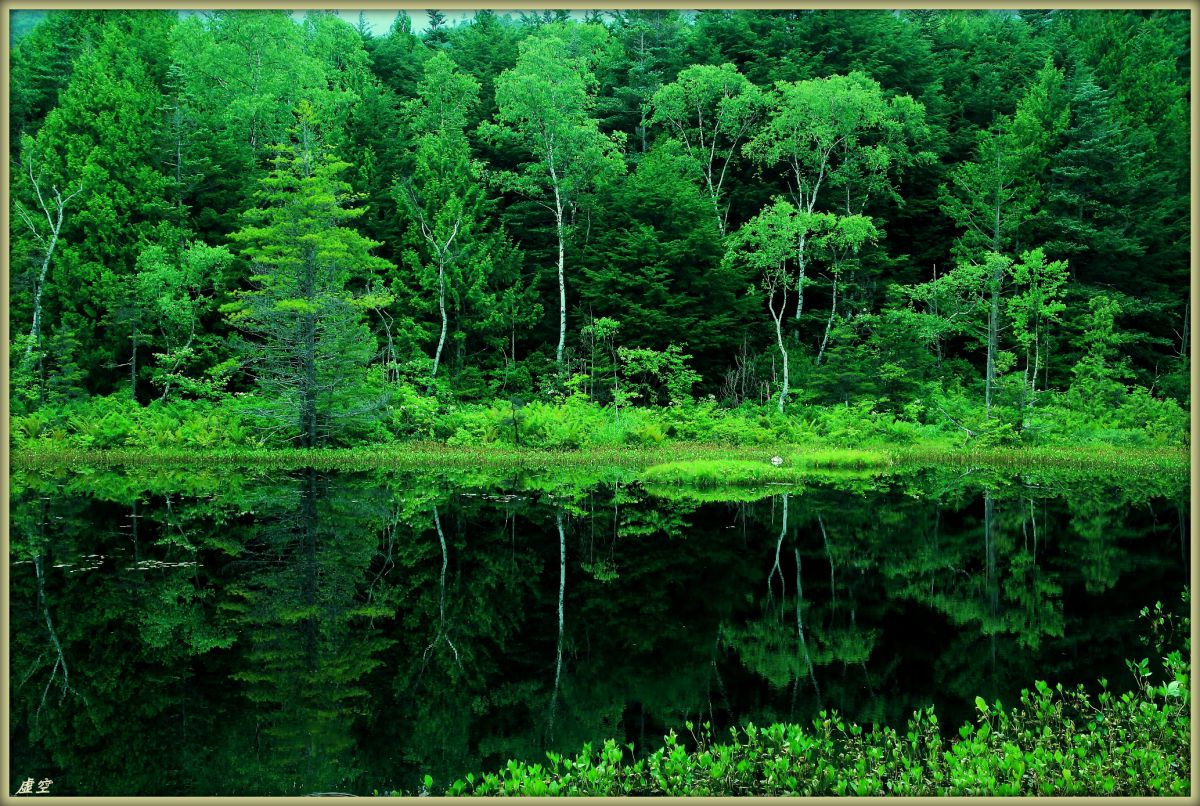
308,347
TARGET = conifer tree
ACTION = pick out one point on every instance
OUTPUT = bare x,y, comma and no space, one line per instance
308,347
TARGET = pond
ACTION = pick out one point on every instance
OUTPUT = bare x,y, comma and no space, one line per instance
218,632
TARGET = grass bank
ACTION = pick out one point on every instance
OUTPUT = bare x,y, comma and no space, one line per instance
687,462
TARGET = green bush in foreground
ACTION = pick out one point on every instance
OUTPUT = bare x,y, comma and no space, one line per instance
1056,742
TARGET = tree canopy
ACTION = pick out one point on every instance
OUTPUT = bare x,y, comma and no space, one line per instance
956,194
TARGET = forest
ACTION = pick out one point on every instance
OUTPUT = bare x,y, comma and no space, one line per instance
555,230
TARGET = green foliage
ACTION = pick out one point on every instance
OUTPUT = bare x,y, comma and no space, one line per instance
709,110
967,227
1055,742
312,351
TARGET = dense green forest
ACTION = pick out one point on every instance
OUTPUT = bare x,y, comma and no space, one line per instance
251,228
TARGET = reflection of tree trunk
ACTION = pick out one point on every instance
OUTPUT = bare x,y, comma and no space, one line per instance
717,672
60,659
828,556
386,550
990,549
133,518
937,524
437,522
562,586
308,595
308,584
775,568
800,629
990,573
1033,520
442,632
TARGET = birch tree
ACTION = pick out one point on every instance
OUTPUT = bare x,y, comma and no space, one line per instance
837,134
544,105
52,207
842,238
767,244
443,195
966,301
1035,306
710,110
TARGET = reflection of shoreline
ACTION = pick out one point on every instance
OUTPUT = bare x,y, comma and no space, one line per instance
909,583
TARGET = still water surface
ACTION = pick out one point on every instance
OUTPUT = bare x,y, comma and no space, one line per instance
209,632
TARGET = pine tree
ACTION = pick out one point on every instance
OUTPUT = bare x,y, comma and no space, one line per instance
309,347
437,34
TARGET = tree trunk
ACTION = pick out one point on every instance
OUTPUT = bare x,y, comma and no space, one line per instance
55,222
562,283
937,340
35,331
714,195
308,363
437,356
829,322
992,339
308,402
133,369
1183,347
783,391
803,266
994,310
616,383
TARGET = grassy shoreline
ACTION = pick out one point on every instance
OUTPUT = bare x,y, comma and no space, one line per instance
798,459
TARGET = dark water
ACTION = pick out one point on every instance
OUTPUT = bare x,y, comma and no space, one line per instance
212,633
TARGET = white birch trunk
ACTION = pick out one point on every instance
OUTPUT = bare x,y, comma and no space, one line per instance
783,391
437,356
829,322
562,283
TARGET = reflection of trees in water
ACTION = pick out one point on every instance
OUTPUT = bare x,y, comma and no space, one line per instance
308,641
443,631
558,654
289,635
118,621
31,547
